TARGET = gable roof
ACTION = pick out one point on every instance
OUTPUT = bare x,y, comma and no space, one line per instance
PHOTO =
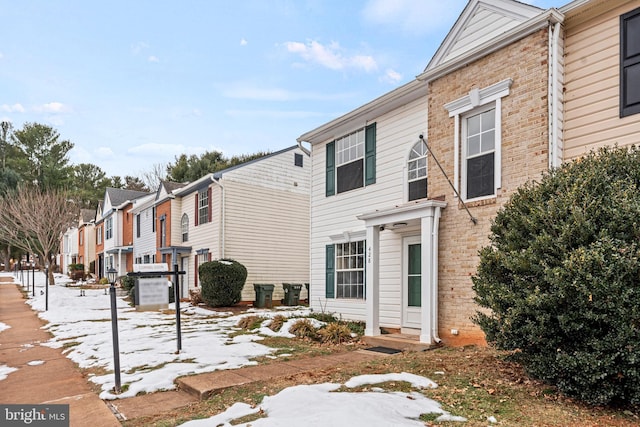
166,188
480,22
118,196
87,215
449,57
218,175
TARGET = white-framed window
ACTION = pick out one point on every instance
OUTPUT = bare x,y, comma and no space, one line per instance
203,206
478,142
99,235
350,270
478,152
350,161
108,228
184,226
417,171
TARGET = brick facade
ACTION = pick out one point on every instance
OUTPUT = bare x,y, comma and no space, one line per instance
524,157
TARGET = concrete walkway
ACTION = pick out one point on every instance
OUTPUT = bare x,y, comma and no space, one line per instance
202,386
50,377
59,381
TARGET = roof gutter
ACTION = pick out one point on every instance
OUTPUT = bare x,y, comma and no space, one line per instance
345,123
551,16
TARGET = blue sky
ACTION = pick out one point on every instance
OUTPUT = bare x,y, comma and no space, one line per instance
133,84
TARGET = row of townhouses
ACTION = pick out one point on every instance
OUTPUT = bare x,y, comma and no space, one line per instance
386,211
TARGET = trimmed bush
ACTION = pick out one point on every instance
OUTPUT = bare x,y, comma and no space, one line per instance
561,278
129,284
222,282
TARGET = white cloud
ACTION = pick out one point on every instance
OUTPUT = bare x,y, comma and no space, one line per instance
15,108
414,16
153,58
52,107
331,56
243,42
391,76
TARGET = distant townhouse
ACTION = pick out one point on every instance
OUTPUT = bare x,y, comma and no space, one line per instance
256,213
116,230
68,249
144,230
86,239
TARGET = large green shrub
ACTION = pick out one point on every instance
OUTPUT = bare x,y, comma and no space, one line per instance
561,278
222,282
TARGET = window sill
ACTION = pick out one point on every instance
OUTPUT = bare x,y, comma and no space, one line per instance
491,200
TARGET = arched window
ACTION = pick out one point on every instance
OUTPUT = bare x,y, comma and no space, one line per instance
184,225
417,171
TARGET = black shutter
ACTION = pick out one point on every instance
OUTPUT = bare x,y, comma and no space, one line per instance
330,272
330,184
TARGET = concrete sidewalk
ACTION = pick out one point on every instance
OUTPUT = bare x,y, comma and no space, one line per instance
44,374
59,381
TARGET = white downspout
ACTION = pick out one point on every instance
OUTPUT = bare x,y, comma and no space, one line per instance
554,38
222,216
434,277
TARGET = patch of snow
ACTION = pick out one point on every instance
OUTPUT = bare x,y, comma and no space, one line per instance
6,370
3,326
374,408
415,380
35,363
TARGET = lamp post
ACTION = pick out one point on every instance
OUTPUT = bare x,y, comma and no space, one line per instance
112,274
46,287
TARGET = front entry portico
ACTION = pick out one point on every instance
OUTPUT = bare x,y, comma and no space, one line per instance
426,214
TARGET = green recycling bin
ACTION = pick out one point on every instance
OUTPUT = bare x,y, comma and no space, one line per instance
264,295
291,293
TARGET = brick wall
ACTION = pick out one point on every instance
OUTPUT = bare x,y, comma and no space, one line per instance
524,157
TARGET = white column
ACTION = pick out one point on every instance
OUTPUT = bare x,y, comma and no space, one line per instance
372,274
426,296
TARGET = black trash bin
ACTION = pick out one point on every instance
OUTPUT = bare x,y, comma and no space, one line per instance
264,295
291,293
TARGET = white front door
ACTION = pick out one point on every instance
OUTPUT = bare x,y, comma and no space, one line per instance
184,278
411,282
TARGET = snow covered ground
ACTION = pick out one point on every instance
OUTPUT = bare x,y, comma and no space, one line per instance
149,360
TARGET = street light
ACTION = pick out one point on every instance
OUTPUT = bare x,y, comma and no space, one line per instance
112,275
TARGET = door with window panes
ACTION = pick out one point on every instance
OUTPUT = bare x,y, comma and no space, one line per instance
412,282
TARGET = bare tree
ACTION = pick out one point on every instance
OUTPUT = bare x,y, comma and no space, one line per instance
153,177
34,219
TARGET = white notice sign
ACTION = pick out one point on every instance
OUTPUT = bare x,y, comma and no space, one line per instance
153,291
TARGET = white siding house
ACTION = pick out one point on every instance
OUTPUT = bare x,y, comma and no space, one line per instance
256,213
144,233
393,242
